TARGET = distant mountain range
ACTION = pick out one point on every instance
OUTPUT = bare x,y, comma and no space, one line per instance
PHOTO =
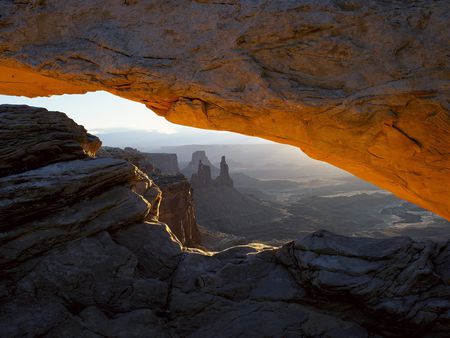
148,140
260,159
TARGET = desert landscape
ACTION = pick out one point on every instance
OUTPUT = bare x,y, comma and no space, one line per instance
308,198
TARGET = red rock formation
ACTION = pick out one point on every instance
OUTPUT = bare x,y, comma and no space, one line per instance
360,84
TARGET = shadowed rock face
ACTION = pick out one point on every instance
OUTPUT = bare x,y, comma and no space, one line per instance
198,157
363,85
61,139
224,175
86,263
177,208
175,205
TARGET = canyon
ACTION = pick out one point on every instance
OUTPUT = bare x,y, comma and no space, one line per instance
235,207
97,242
177,207
361,85
223,212
83,254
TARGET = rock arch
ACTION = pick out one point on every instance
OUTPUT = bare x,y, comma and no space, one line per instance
361,85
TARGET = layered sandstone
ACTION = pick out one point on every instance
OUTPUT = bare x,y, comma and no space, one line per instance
363,85
45,138
175,200
163,163
73,197
177,208
79,259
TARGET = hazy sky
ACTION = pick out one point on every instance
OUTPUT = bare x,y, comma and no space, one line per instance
98,111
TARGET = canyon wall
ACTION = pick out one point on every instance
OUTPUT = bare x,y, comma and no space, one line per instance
177,208
81,255
363,85
174,196
165,163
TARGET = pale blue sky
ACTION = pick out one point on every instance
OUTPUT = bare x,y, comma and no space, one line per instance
98,111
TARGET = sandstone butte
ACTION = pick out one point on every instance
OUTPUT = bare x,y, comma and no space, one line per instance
363,85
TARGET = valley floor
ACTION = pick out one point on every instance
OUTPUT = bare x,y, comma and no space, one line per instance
341,204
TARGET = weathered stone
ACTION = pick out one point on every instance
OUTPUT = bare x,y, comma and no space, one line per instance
387,281
56,203
82,284
87,265
36,204
177,208
158,251
163,163
360,84
45,137
51,188
171,197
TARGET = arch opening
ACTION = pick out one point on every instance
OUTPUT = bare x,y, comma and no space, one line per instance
277,193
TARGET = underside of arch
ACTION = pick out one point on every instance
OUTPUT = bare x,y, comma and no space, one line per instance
361,85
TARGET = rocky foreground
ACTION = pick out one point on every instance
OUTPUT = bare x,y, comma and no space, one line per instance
83,255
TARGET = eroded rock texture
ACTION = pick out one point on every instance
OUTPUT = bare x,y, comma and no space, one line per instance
81,255
363,85
177,208
175,200
33,137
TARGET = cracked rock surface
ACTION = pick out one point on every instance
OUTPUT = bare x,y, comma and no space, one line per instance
363,85
82,255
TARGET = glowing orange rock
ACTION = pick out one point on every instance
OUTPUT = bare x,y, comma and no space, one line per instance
361,85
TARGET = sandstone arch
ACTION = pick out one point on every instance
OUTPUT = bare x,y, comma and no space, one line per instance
361,85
